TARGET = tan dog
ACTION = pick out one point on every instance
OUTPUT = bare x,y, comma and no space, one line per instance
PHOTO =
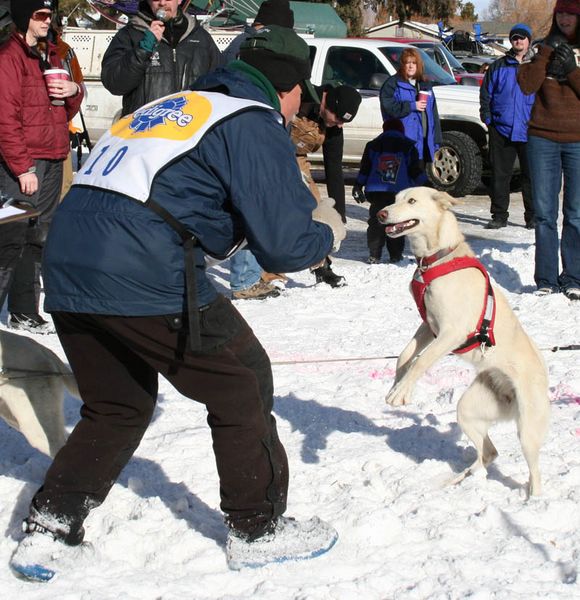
512,381
32,384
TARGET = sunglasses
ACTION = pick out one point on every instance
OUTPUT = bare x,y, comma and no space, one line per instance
41,16
516,38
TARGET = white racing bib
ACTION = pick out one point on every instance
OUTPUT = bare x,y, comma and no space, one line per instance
128,157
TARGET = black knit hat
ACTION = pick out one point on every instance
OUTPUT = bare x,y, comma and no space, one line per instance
343,101
21,11
275,12
280,54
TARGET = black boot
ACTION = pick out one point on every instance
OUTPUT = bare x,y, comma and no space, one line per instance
325,274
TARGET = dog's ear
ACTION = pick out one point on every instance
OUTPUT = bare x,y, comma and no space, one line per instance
444,200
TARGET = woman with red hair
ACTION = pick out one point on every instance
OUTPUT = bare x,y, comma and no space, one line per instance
402,98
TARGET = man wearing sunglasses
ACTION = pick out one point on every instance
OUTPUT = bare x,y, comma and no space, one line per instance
506,110
34,142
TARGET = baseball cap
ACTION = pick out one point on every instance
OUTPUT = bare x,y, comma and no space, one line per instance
280,54
343,101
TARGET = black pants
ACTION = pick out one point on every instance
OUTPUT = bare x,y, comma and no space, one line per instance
116,361
376,237
22,242
502,155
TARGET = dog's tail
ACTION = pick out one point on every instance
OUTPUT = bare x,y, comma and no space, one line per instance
71,384
68,377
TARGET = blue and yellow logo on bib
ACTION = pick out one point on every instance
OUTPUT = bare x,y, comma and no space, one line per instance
176,117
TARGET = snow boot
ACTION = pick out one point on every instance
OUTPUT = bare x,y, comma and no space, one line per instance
286,539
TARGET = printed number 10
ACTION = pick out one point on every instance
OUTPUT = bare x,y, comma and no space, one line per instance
112,164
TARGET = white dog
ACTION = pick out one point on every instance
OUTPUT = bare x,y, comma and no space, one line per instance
32,384
463,312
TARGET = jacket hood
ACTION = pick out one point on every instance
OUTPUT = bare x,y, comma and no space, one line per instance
232,83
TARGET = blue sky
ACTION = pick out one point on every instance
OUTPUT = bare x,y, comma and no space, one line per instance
480,6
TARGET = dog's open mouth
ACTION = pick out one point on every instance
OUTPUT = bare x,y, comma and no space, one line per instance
398,228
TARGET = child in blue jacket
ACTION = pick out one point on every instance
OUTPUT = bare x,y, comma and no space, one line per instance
390,164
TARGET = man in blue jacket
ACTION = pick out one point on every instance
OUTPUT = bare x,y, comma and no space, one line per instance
506,110
180,180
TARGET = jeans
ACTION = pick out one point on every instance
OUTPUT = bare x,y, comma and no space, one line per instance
548,161
244,271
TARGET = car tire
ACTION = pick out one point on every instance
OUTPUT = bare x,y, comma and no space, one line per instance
457,166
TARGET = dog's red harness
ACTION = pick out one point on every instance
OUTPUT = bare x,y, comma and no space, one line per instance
424,275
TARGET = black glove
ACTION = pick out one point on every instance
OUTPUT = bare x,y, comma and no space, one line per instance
358,194
554,68
565,55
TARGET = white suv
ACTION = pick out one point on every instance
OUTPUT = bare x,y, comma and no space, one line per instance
366,64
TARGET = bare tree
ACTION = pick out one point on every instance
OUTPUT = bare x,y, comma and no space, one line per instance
535,13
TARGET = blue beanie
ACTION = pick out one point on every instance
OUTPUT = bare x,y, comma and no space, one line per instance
521,29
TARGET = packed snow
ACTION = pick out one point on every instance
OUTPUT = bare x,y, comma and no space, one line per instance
377,473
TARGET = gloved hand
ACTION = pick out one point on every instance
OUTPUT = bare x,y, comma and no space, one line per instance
325,213
565,55
554,68
358,193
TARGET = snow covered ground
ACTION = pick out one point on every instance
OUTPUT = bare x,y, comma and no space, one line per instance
377,473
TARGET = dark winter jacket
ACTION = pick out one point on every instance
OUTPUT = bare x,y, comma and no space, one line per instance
390,163
30,126
233,50
332,150
108,254
141,76
502,102
398,101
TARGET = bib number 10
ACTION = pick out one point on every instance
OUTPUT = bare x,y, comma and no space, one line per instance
113,162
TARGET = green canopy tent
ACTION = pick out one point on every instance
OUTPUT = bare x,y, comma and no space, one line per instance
317,18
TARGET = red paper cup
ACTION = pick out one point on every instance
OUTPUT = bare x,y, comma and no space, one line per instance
423,95
51,75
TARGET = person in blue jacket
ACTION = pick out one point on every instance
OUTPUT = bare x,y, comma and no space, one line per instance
400,99
390,164
182,179
506,110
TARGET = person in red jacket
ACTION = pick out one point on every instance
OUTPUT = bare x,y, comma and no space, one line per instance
34,142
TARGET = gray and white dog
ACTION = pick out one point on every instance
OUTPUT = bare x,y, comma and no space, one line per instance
32,384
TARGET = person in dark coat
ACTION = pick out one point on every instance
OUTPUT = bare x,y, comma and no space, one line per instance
34,142
161,51
166,189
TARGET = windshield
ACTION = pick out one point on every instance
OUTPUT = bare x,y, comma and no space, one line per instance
433,72
455,64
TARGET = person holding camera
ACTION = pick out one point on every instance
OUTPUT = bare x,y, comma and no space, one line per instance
554,150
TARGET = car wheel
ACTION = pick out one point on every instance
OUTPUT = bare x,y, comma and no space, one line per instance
456,168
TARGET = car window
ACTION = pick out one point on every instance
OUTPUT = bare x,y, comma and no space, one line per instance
352,66
455,64
312,54
433,72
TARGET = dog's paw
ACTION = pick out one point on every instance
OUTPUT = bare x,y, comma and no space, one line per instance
398,396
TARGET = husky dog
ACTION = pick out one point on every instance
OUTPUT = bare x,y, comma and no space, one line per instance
32,384
464,313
